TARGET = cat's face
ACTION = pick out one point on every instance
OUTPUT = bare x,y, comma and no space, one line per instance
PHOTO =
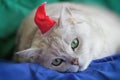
66,48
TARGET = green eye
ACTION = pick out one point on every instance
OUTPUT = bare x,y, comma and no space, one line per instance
74,43
57,62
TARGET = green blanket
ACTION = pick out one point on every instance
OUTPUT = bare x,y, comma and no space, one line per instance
13,11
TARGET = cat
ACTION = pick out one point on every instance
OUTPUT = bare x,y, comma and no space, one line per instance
82,33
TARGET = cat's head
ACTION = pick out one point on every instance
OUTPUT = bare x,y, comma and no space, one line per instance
66,48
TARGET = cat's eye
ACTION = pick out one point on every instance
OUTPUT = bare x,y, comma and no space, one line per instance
57,61
75,43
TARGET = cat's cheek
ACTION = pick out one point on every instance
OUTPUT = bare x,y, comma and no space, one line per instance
61,68
84,66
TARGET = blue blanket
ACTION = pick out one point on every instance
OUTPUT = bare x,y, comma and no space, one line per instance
103,69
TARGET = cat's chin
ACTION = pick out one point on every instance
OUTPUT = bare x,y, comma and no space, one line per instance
73,69
77,68
84,67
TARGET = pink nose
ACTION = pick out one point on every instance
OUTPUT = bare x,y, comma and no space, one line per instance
75,61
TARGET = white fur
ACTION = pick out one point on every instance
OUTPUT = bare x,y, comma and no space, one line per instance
97,29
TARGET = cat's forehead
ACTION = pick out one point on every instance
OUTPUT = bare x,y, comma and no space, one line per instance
58,36
64,33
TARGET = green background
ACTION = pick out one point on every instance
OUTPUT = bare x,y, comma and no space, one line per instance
13,11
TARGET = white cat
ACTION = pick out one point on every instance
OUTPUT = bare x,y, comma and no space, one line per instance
81,34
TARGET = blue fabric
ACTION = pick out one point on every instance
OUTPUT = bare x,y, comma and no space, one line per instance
103,69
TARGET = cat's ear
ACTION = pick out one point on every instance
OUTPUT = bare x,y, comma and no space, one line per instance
66,17
70,16
27,55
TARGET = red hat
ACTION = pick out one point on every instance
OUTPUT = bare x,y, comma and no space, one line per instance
43,21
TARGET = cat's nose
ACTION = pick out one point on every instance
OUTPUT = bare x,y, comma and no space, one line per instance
75,61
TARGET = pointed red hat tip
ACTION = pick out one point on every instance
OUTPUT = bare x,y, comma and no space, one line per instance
44,22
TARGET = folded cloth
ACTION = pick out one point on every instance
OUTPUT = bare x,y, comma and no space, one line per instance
107,68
